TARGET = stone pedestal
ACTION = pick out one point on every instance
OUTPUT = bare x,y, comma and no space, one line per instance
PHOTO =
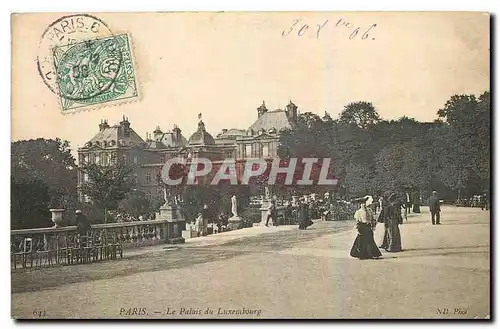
263,211
234,223
175,223
57,216
188,234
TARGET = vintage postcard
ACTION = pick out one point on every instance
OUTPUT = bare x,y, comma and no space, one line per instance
251,165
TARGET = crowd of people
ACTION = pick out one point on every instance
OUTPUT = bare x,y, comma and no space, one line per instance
124,218
477,201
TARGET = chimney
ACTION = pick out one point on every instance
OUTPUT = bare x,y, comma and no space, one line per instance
177,133
291,112
125,124
103,125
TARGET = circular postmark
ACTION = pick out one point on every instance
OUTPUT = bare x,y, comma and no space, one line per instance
89,69
66,30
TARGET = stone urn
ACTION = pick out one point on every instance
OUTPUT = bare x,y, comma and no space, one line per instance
57,217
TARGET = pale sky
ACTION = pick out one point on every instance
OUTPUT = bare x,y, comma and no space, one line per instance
225,64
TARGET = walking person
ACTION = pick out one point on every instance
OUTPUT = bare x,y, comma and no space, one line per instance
205,214
311,212
390,215
483,202
303,214
435,208
364,246
271,213
408,205
198,225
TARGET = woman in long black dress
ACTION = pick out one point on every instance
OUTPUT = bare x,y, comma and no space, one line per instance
303,215
391,217
364,246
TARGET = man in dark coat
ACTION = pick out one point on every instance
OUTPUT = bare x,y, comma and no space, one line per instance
303,214
435,208
83,227
205,214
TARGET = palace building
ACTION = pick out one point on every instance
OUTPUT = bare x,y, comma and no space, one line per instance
121,143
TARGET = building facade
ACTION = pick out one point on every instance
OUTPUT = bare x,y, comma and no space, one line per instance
121,143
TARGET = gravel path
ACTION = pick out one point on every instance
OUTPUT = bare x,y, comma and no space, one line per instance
443,272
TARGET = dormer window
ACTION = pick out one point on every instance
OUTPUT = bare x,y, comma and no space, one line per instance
112,143
97,143
272,130
89,144
104,143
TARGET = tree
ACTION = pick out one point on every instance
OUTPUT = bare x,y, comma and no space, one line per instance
30,203
136,204
466,155
362,114
389,168
451,153
358,179
484,136
108,185
43,176
307,139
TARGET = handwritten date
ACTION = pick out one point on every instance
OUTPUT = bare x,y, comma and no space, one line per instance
301,29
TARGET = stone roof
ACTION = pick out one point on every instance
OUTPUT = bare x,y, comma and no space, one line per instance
274,119
170,140
116,136
201,136
234,132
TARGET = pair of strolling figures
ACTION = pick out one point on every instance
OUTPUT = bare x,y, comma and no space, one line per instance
364,246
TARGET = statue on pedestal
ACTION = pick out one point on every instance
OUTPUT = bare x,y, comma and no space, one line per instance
167,196
267,193
171,213
235,221
234,206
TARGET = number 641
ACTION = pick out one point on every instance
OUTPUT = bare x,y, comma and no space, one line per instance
39,313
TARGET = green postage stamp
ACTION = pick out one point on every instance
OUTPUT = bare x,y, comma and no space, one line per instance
95,72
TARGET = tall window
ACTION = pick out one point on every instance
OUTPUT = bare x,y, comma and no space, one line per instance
148,178
97,159
86,159
265,150
85,177
104,159
248,150
135,159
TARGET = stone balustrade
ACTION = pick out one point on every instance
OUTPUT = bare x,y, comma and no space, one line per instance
128,234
